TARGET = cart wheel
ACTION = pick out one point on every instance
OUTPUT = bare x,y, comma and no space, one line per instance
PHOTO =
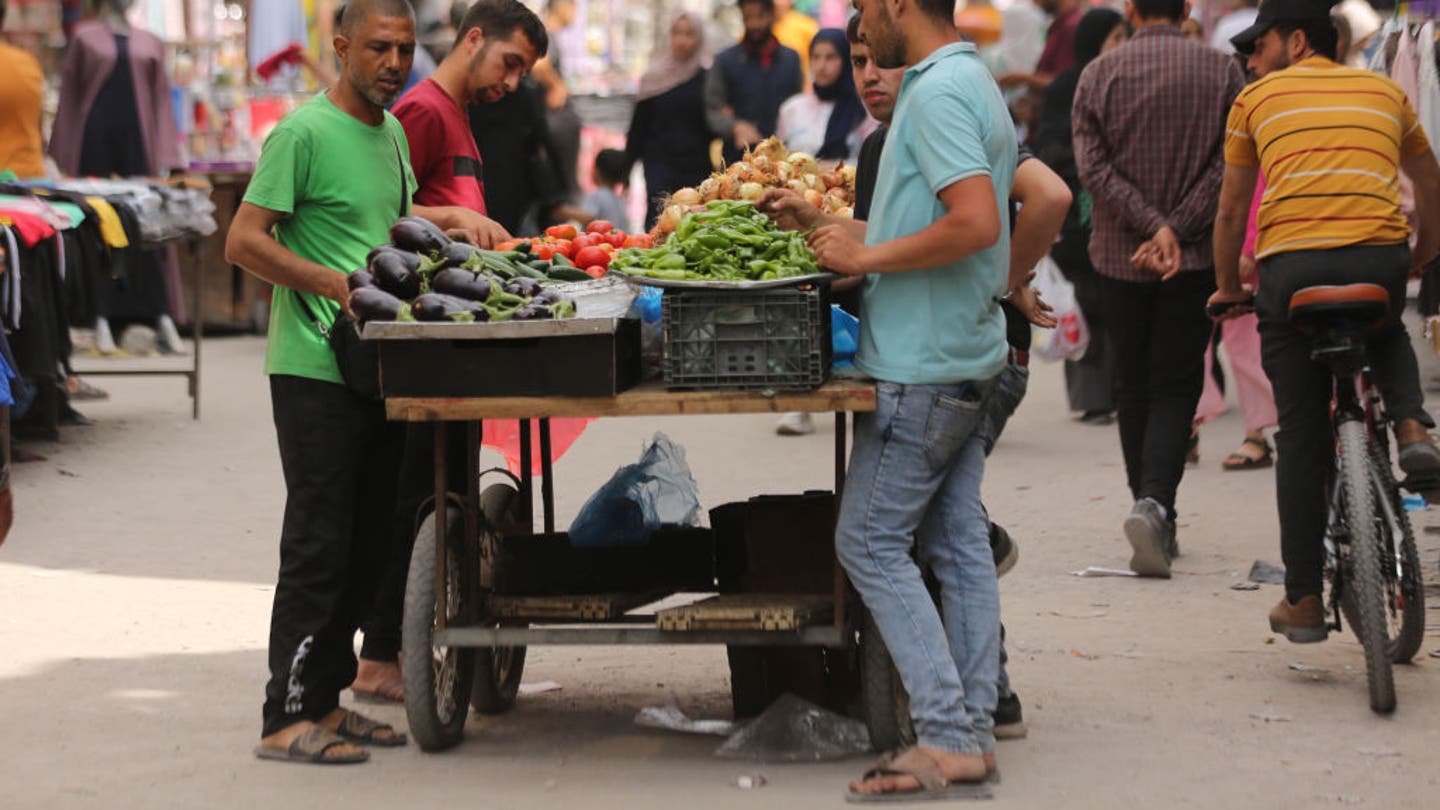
497,669
436,697
884,705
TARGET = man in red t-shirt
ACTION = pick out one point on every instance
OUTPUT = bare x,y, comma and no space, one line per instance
498,44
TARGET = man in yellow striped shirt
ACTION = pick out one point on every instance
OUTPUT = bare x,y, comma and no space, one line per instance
1330,142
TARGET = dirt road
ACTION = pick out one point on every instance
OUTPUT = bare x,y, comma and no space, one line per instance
136,587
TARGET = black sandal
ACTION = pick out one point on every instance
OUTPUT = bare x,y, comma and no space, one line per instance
1240,461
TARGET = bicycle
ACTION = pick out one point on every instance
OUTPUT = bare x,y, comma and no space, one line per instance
1371,562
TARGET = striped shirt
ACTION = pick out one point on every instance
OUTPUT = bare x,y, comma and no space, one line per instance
1329,140
1149,125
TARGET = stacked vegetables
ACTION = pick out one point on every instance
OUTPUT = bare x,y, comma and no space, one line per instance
767,165
726,240
424,276
590,250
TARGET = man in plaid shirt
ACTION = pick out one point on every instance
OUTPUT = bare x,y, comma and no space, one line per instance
1149,121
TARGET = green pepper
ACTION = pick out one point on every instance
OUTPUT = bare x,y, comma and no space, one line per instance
670,261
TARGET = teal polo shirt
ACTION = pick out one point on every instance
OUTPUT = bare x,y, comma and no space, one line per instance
942,325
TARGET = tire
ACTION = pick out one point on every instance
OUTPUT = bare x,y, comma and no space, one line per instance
884,704
1405,593
497,669
437,681
1363,583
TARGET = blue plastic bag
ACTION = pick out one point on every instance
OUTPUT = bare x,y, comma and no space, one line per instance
656,491
844,336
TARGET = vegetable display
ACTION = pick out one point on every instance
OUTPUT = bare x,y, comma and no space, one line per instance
724,241
767,165
425,276
587,252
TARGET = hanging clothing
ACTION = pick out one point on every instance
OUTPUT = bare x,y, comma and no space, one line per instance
90,61
112,143
110,227
21,147
1427,98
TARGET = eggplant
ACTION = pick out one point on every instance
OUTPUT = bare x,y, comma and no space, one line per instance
532,312
394,276
527,287
358,279
457,254
418,234
374,304
461,283
548,296
442,307
411,259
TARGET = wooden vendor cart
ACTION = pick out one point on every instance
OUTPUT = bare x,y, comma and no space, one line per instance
465,638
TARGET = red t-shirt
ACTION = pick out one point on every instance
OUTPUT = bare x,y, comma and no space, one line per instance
1059,53
442,148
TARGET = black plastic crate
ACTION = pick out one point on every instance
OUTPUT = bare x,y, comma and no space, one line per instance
748,341
674,558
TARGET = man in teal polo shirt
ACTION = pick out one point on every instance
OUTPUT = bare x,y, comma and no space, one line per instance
331,179
936,261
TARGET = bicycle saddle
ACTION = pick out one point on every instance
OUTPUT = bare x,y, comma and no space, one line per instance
1363,305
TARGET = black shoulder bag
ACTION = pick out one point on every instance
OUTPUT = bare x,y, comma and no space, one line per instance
358,359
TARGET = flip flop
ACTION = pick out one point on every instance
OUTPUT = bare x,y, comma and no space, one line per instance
357,728
310,748
379,697
933,785
1240,461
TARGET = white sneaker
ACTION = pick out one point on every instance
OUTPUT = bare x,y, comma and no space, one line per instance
795,424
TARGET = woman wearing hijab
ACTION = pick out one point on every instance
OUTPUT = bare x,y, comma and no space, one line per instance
829,121
668,132
1089,381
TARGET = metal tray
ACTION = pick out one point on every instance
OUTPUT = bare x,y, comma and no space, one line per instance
504,330
772,284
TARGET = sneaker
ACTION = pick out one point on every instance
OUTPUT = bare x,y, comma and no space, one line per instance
1009,720
795,424
1005,550
1302,622
1418,454
1151,534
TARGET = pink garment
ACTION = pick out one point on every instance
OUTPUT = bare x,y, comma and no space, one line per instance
89,59
1405,71
1241,337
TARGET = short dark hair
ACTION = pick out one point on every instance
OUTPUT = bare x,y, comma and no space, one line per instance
938,9
612,165
1160,9
1320,33
354,12
498,19
852,30
769,5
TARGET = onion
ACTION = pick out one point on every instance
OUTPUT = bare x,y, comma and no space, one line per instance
838,196
783,173
669,218
772,148
797,185
742,172
686,196
802,162
751,191
831,179
710,189
812,181
762,163
813,197
847,212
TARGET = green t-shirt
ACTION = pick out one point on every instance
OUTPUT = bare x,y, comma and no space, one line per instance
338,180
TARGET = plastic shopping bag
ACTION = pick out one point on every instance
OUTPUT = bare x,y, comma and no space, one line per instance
1070,337
656,491
844,336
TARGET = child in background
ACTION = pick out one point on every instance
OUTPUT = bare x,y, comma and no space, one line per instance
612,169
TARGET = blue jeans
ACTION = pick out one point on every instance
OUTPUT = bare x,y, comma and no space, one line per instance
1010,388
915,473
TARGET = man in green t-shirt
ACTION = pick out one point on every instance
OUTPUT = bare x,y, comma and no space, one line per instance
331,179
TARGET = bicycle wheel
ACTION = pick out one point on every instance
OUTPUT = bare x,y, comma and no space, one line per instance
1399,566
1363,582
437,679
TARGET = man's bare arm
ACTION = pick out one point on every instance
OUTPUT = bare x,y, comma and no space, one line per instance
1424,174
251,244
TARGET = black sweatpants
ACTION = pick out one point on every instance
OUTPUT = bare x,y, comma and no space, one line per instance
1305,447
339,456
1159,331
416,485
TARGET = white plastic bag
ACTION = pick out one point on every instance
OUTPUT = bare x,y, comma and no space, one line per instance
1071,336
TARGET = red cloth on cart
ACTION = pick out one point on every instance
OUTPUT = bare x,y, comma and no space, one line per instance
503,436
29,227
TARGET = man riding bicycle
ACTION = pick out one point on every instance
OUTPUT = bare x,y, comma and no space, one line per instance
1330,142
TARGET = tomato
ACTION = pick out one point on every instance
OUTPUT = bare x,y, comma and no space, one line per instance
543,251
508,244
566,231
595,271
616,239
639,240
601,226
564,247
607,247
591,256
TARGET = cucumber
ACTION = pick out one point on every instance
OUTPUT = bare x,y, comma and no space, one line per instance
566,273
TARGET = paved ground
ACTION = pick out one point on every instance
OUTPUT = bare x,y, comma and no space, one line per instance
137,580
